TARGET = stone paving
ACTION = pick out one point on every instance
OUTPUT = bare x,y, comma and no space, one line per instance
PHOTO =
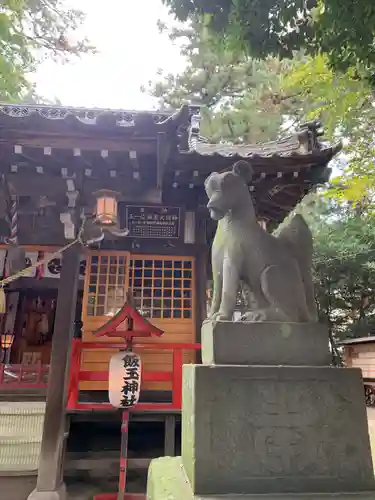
18,488
371,425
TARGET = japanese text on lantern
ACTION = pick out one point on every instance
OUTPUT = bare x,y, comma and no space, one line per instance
124,381
131,380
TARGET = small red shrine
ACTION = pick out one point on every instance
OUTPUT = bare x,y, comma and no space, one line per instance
136,325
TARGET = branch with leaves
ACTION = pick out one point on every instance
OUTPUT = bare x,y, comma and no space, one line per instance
345,105
31,31
343,264
241,97
282,27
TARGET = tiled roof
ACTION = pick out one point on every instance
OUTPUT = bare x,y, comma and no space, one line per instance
358,340
286,148
87,116
185,123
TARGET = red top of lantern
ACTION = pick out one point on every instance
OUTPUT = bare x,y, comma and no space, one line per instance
137,325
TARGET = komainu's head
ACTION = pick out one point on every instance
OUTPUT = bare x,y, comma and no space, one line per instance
228,190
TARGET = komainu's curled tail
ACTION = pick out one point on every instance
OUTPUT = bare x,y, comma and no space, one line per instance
297,236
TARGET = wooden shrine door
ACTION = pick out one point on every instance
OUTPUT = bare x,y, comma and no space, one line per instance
106,286
163,291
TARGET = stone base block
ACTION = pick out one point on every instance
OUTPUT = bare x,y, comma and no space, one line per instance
289,344
167,480
60,494
268,430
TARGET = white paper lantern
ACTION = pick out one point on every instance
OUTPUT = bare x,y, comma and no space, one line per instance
124,379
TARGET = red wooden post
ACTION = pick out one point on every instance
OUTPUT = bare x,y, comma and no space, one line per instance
20,374
39,372
75,367
177,379
123,454
137,326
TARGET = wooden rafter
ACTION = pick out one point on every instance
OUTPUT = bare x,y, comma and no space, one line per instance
163,152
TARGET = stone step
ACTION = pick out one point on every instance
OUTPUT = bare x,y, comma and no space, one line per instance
22,395
21,428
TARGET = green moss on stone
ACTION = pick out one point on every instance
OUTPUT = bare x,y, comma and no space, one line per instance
167,480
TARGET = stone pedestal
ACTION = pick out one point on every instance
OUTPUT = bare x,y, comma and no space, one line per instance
167,481
288,344
252,430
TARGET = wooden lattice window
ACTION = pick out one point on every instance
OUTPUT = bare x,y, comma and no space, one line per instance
107,282
162,287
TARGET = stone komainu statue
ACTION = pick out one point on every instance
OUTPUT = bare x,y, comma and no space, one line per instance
275,271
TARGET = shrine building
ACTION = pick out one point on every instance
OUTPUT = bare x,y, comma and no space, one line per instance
139,177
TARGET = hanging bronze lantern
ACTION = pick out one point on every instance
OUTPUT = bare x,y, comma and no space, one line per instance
106,207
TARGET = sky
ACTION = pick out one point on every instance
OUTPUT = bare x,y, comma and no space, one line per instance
131,50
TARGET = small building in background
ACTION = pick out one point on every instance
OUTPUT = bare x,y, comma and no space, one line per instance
360,353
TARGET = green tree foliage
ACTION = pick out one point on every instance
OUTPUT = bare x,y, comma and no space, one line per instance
240,96
344,30
29,31
344,265
345,104
330,76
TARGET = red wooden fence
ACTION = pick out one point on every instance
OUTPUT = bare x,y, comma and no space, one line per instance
175,376
23,376
14,377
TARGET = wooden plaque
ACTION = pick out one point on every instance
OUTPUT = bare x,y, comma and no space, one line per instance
153,222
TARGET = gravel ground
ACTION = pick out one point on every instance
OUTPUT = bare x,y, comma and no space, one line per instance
18,488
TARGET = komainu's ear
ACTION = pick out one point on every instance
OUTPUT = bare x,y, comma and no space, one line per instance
209,177
243,169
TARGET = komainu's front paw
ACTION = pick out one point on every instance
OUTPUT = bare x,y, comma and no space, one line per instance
220,316
217,316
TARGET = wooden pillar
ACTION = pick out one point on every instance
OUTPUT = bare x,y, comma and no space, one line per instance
201,273
170,436
50,482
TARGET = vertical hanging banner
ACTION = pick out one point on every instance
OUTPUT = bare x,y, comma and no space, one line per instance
124,382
